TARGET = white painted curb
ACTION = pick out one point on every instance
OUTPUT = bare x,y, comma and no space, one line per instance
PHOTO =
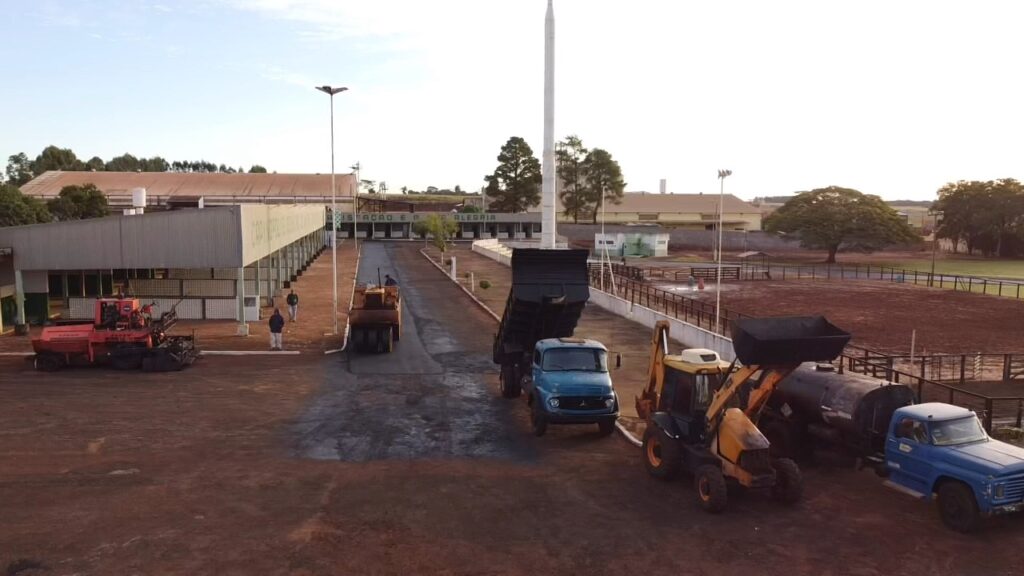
625,433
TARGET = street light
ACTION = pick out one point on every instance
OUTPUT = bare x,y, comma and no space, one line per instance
334,214
935,240
722,174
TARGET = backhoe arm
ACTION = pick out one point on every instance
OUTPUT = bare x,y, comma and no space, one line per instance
647,401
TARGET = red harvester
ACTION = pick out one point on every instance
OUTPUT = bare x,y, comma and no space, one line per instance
122,334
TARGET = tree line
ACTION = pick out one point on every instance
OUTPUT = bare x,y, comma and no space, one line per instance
76,202
21,168
985,216
588,178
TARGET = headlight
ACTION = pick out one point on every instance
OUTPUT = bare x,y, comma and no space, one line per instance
553,402
1000,490
609,402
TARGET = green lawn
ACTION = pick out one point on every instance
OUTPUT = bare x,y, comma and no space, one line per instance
989,268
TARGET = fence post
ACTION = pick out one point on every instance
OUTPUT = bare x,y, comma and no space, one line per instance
1007,358
988,415
984,286
963,367
920,391
1020,412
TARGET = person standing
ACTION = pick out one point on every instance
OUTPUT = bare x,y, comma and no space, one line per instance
293,305
276,327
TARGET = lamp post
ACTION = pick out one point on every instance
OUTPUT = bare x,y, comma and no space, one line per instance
935,241
331,91
722,174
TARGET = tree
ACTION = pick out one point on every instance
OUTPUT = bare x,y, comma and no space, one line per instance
569,161
458,189
984,215
515,184
405,189
53,158
124,163
833,218
257,169
603,180
96,164
16,209
154,164
79,202
439,228
19,169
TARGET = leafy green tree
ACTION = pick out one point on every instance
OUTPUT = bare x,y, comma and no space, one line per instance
604,181
515,184
985,215
124,163
96,164
569,159
16,209
440,229
154,164
19,169
257,169
53,158
470,209
79,202
833,218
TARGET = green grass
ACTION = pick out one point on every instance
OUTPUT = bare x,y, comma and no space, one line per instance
991,268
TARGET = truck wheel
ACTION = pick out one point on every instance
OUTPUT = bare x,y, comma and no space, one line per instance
48,362
660,453
789,483
606,427
537,420
388,340
509,384
958,508
711,489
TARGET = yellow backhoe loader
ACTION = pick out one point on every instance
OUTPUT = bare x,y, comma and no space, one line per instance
697,420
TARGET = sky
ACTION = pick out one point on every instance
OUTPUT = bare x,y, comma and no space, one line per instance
894,98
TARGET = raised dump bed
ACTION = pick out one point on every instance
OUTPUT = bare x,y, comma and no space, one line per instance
549,290
787,340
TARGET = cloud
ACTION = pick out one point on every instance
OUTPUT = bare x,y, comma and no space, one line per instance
279,74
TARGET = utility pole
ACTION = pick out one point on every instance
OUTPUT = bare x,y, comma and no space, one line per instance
330,91
722,174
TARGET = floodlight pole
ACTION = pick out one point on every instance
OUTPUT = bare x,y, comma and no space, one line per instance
331,91
722,174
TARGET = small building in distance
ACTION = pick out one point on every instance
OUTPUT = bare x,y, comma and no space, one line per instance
683,211
632,244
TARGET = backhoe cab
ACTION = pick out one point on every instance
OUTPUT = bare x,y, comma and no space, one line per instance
696,420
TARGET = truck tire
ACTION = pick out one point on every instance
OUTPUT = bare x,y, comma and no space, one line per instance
606,427
958,507
660,453
712,492
537,420
508,383
388,340
48,362
789,483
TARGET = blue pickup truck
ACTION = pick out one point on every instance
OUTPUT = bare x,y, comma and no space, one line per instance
569,383
943,450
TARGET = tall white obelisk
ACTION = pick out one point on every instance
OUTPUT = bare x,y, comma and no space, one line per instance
547,203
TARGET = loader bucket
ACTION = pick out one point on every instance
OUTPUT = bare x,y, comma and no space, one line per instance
787,340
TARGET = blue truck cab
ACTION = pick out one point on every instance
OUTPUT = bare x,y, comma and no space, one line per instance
943,450
569,383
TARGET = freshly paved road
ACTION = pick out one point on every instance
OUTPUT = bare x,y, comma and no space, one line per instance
429,398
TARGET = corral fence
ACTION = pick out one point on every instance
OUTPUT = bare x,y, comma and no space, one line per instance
887,367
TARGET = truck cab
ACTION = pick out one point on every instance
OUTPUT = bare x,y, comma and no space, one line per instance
569,383
940,450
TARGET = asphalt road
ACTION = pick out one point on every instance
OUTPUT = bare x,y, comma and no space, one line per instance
430,397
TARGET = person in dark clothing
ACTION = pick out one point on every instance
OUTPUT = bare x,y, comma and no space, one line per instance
276,327
389,281
293,305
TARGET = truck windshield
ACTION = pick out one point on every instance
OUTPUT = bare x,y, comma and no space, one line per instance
959,431
579,359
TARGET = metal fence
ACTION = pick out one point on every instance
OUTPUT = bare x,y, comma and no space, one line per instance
892,368
958,282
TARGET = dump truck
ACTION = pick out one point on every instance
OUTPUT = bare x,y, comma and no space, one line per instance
549,290
375,319
123,334
691,425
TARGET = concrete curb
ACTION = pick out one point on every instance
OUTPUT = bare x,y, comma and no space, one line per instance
625,433
17,353
468,293
351,296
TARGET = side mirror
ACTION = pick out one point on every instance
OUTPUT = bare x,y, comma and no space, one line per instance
618,360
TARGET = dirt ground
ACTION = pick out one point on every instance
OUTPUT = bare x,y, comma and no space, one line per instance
882,315
205,472
307,335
